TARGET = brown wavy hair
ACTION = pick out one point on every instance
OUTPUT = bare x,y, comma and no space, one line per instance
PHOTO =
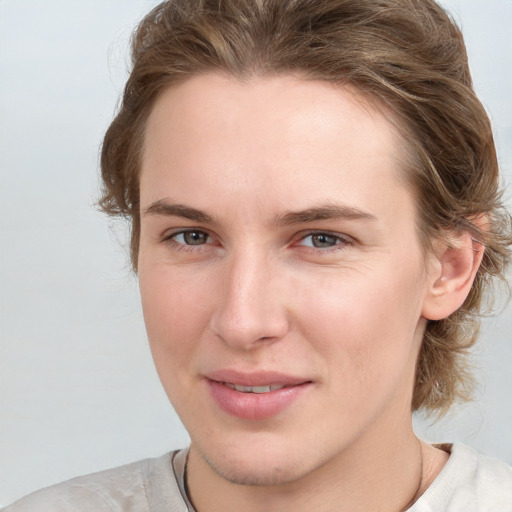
408,56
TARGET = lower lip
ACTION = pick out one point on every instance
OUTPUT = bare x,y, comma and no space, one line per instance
254,406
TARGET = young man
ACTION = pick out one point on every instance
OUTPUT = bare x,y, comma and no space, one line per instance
313,191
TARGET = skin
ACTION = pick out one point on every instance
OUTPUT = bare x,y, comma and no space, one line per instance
253,288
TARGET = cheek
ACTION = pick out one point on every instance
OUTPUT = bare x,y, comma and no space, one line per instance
364,323
365,334
175,313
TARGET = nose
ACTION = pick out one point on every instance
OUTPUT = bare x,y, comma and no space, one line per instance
251,306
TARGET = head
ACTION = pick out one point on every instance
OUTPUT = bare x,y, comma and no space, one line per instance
407,60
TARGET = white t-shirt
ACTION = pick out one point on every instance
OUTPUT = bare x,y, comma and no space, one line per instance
469,482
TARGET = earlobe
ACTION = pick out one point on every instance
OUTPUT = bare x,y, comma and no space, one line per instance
451,275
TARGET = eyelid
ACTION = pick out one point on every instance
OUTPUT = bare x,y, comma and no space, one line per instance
343,240
170,236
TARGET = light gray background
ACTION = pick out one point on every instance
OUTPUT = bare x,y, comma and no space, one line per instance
78,390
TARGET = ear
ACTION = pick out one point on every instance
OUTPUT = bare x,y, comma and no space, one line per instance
452,270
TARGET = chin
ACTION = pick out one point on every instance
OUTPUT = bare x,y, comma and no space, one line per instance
255,460
257,472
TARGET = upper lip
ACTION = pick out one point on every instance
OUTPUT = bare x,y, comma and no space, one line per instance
259,378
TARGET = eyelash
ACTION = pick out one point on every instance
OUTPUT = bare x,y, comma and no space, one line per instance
171,239
341,242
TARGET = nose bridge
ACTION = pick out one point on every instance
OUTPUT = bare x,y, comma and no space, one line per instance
250,308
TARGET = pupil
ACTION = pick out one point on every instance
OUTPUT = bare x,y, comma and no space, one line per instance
194,238
323,241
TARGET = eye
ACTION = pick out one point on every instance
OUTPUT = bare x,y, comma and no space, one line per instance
190,237
323,241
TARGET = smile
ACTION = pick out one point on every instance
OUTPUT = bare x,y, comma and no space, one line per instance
256,396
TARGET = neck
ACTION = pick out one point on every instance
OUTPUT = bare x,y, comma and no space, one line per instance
378,472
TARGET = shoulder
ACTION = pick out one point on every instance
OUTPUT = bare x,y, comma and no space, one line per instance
470,482
132,488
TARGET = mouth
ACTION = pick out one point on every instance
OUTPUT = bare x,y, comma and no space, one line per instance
256,396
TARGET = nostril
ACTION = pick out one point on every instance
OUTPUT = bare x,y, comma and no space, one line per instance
247,336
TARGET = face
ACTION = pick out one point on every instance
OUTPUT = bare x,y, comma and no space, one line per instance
281,273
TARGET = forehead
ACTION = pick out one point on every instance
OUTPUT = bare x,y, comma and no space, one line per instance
208,101
314,141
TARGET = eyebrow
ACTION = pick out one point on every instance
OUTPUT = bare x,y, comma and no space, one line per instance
168,209
324,212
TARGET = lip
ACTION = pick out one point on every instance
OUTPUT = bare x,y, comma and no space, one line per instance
254,406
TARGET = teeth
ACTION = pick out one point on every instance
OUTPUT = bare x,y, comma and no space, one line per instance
254,389
244,389
260,389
